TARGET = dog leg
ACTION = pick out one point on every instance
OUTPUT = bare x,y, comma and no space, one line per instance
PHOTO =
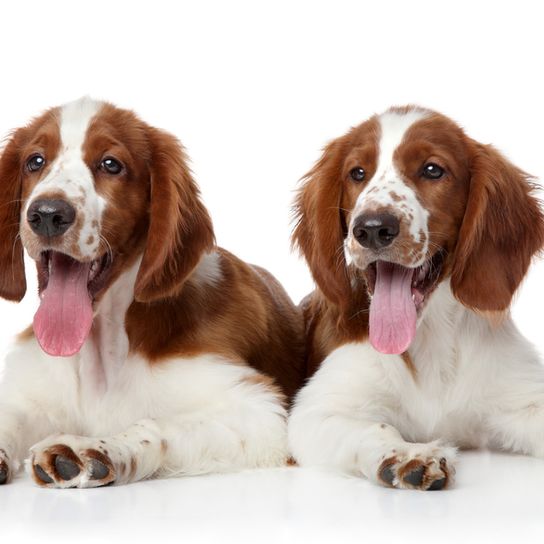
246,428
341,420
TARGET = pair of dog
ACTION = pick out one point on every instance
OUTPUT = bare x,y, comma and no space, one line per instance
155,353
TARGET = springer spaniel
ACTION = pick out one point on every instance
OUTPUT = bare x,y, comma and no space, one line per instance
417,237
153,352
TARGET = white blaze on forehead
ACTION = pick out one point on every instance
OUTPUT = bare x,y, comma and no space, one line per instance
393,128
75,119
70,174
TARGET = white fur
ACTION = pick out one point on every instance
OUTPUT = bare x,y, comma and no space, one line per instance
475,384
70,174
179,416
208,271
198,414
387,181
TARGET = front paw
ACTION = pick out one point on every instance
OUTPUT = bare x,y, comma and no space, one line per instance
428,467
71,461
5,472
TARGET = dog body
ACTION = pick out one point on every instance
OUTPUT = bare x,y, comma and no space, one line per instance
153,352
417,237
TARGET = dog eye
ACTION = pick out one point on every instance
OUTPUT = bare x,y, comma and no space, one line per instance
111,166
432,171
357,173
35,162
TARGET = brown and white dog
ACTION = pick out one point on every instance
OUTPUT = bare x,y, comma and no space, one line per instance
417,237
153,352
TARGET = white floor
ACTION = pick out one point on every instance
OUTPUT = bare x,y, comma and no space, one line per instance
496,498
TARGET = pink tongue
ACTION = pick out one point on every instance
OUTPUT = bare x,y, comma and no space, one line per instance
64,318
392,310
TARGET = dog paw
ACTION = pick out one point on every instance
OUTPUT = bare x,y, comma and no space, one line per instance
4,468
428,467
67,461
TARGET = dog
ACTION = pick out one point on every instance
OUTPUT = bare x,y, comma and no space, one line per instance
417,237
153,352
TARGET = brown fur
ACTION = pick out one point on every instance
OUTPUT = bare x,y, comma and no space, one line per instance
154,209
502,229
483,215
242,318
39,136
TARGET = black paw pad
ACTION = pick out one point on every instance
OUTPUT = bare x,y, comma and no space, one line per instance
98,470
3,474
415,477
66,468
437,485
387,475
42,475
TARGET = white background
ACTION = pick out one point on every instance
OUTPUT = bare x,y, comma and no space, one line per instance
254,90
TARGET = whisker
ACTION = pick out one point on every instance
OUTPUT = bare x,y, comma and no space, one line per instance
17,237
18,200
109,250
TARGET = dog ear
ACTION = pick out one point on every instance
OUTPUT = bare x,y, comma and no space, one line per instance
180,229
318,230
12,267
502,229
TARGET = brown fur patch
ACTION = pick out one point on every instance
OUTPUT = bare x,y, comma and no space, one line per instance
409,364
40,136
27,334
246,316
133,468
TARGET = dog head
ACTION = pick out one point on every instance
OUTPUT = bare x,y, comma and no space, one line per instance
408,200
87,189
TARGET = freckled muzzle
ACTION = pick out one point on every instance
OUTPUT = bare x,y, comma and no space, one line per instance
68,282
391,248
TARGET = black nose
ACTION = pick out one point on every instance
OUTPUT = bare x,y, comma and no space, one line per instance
50,217
375,231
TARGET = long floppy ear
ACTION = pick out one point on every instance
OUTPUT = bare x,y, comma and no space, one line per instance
502,229
318,230
180,229
12,267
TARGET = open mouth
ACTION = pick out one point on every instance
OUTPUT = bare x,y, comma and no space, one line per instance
398,295
98,270
423,278
67,290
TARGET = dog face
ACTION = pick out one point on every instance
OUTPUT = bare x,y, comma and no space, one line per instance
87,189
408,200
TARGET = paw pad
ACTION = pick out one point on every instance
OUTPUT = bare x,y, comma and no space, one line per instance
66,468
40,473
4,468
59,466
415,476
3,473
425,473
98,470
